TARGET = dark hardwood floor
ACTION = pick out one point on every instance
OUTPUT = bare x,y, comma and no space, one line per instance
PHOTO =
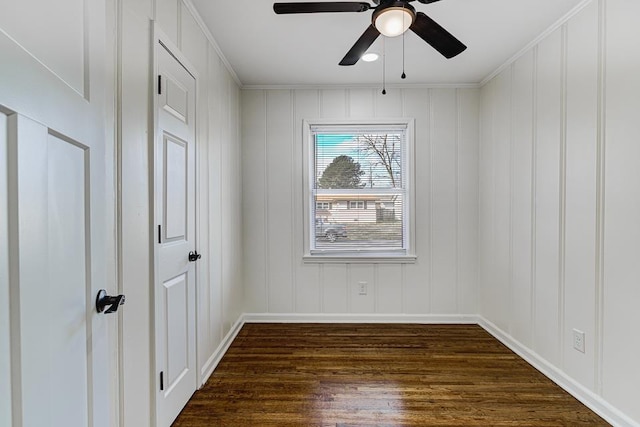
377,375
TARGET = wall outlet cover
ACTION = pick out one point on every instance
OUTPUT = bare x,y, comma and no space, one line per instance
578,340
362,288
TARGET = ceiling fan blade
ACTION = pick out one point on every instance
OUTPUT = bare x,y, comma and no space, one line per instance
428,1
360,47
439,38
315,7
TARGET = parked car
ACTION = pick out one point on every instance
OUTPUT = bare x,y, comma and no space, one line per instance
329,230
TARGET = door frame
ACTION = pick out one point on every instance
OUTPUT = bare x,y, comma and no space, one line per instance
160,39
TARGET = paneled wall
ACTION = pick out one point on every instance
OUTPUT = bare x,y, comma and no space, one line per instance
559,200
219,234
442,281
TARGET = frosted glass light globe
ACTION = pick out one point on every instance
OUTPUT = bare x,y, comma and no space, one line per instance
393,21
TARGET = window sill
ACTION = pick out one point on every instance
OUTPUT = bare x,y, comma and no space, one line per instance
354,259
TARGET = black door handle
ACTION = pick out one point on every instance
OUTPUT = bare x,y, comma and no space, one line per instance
103,300
194,256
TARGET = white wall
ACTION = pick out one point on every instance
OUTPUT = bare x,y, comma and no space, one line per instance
559,200
443,281
219,235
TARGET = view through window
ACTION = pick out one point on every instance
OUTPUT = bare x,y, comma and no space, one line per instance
358,193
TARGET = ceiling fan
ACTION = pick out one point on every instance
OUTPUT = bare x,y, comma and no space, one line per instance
390,18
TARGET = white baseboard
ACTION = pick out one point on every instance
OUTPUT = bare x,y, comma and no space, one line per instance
217,355
593,401
359,318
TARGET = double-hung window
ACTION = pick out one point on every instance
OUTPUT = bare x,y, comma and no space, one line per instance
358,191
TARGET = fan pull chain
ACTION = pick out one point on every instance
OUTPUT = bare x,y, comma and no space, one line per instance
384,66
403,76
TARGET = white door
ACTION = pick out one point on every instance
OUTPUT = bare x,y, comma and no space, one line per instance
52,103
175,217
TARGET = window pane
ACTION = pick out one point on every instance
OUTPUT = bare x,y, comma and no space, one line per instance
358,190
343,229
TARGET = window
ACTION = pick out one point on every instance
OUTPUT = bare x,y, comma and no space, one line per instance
357,191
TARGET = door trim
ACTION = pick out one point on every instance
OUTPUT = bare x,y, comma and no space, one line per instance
161,40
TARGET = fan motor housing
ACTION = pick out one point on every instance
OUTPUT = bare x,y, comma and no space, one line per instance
385,6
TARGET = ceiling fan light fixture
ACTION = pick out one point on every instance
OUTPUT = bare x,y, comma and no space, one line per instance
394,20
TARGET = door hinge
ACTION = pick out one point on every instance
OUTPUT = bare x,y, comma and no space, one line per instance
159,84
161,380
159,233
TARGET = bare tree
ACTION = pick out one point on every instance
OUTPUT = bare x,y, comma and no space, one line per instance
385,149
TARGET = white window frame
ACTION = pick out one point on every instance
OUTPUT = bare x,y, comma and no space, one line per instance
398,256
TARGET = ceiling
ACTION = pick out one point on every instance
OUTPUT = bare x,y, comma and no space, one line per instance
268,49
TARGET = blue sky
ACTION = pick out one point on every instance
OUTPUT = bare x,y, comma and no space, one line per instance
329,140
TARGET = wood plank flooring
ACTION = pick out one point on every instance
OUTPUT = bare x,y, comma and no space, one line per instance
347,375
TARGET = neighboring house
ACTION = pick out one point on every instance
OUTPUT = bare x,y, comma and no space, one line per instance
369,208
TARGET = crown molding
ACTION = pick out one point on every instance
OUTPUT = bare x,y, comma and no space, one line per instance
365,86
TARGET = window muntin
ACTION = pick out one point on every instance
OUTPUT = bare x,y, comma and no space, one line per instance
361,173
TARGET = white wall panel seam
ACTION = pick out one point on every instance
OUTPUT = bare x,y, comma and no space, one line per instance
511,194
294,179
219,210
430,151
321,287
457,131
480,274
534,193
348,288
600,196
267,278
403,281
563,193
227,208
495,149
208,180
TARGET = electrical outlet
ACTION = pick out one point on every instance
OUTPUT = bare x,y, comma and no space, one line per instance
578,340
362,288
